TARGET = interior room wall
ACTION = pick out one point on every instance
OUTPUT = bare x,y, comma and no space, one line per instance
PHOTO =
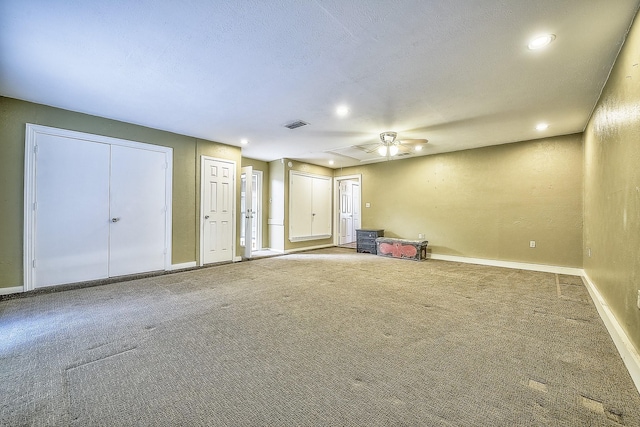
14,115
259,165
484,203
612,189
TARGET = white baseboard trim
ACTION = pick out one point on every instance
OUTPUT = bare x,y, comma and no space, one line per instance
510,264
308,248
628,352
280,251
182,265
12,290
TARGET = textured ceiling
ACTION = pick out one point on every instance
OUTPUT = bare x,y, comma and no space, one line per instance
455,72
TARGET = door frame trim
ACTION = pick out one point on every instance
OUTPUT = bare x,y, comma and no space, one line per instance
31,134
258,212
247,249
234,236
336,202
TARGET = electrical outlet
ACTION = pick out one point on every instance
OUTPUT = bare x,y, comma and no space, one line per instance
638,298
367,205
532,243
420,236
589,252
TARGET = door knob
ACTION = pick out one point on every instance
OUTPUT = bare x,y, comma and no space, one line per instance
206,217
115,219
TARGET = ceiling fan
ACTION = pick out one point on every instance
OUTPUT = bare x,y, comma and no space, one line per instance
389,146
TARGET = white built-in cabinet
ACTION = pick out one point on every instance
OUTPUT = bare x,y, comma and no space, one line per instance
309,207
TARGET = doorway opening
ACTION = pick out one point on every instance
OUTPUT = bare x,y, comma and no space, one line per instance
251,208
348,217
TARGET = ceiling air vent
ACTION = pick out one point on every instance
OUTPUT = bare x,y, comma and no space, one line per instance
296,124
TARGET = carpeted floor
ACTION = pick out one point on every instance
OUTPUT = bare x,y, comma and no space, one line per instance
328,337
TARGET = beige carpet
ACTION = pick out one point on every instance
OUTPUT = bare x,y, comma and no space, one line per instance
329,337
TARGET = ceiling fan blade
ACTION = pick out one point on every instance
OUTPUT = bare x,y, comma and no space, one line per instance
414,141
368,148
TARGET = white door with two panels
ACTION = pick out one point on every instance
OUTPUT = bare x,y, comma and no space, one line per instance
94,209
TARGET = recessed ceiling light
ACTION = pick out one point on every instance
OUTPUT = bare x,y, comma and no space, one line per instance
331,162
244,141
418,148
541,41
342,110
542,126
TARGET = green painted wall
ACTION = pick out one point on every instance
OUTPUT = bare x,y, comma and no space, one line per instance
484,203
14,115
259,165
612,189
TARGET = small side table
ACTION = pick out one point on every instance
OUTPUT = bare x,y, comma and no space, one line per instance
366,240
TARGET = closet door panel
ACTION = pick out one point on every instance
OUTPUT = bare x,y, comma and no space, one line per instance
300,200
138,210
321,207
72,211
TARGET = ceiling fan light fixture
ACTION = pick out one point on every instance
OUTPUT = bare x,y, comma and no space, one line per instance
393,150
388,137
382,150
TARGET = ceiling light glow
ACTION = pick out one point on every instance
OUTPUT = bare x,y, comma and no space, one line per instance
418,148
542,126
244,141
382,150
541,41
331,162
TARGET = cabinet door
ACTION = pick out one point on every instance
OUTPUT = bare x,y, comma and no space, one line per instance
321,207
300,205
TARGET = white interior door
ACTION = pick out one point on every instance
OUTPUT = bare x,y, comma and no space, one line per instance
256,205
246,193
355,197
71,211
217,199
137,211
346,212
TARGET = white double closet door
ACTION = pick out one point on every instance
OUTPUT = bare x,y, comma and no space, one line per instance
100,210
